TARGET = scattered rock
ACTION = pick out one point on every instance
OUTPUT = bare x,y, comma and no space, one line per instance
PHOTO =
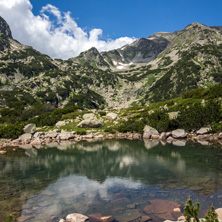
100,218
181,218
145,218
162,210
25,138
76,218
131,206
219,213
60,124
173,115
179,134
2,152
90,120
148,131
203,130
30,128
62,220
163,136
111,116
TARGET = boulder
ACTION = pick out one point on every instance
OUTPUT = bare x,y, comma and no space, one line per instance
25,138
203,130
30,128
66,136
162,210
90,120
173,115
2,152
111,116
219,213
76,218
148,131
179,134
60,123
163,136
100,218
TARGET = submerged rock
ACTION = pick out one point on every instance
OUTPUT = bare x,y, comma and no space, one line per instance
162,209
100,218
76,218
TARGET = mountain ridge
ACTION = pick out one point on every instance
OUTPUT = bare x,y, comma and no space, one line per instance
151,69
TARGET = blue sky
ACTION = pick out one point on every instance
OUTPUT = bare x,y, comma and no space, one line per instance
138,18
65,28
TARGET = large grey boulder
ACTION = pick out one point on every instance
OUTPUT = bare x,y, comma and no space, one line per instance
148,131
203,130
90,121
25,138
111,116
179,134
30,128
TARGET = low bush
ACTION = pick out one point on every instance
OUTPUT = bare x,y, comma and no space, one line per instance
11,131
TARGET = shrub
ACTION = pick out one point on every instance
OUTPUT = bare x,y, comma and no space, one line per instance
11,131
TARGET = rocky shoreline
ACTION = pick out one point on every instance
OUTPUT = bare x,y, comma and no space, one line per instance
36,139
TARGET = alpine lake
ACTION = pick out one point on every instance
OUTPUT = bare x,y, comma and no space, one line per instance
110,177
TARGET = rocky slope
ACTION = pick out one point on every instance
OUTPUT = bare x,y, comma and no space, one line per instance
159,67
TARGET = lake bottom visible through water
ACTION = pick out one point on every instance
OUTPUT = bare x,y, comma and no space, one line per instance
110,177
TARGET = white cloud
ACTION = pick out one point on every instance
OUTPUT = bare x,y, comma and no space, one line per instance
59,37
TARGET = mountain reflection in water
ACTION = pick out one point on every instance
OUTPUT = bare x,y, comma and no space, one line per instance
84,177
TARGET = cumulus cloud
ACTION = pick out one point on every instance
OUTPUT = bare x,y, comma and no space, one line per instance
53,32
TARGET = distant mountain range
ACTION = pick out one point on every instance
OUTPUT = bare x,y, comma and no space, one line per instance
152,69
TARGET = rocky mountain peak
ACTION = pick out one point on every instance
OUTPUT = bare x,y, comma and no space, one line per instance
4,28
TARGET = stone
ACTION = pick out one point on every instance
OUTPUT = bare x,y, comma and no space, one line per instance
203,130
90,121
155,137
66,136
145,218
100,218
162,210
76,218
2,152
36,141
177,210
181,218
62,220
163,136
60,124
30,128
131,206
173,115
25,138
219,213
148,131
179,134
111,116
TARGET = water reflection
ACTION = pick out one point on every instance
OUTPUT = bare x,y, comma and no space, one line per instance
73,177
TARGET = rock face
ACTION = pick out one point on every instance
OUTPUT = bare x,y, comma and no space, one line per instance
179,134
4,28
111,116
90,120
160,210
76,218
30,128
148,131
